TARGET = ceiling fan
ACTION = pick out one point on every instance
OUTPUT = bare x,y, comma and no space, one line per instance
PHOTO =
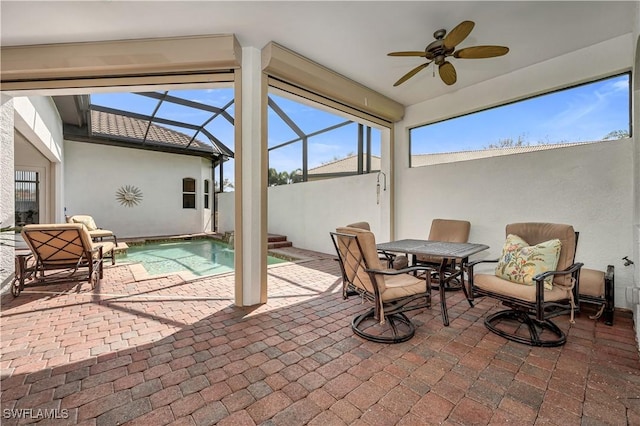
443,47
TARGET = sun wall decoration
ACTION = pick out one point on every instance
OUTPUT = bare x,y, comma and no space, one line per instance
129,195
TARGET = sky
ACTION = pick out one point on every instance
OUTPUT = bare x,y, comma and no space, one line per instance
583,113
580,114
322,148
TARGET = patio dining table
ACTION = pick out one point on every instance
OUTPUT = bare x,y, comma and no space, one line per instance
458,252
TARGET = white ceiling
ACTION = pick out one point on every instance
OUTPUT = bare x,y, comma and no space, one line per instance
350,37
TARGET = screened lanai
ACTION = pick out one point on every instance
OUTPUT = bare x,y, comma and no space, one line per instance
200,123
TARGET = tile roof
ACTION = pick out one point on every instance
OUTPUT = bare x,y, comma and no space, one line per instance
452,157
343,165
121,127
350,163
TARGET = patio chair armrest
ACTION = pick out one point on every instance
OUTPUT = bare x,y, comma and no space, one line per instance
475,262
470,265
570,270
398,271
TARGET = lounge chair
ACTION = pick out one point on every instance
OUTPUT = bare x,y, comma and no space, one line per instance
66,250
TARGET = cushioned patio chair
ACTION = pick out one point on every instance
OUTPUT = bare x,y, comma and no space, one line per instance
392,292
535,279
67,251
448,230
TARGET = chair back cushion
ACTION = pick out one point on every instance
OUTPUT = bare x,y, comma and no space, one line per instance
358,257
449,230
57,243
536,233
360,225
86,220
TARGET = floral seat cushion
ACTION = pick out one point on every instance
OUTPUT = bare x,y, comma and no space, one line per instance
520,262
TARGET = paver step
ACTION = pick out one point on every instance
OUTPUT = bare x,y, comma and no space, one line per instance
279,244
272,238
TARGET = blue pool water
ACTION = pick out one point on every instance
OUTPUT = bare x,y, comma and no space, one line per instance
200,257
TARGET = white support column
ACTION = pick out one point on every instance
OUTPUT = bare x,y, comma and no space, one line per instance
635,127
251,252
386,182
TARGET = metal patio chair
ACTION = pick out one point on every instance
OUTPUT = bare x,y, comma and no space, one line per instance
392,292
531,307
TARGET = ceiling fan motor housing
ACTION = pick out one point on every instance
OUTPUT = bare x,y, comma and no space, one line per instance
437,51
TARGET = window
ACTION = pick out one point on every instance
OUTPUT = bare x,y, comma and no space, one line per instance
206,193
306,142
188,193
595,111
27,197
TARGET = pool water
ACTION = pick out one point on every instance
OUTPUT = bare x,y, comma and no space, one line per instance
200,257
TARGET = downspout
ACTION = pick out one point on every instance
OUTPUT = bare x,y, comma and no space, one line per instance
212,188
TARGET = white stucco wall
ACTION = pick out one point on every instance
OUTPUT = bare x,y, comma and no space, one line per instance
28,158
93,174
37,122
306,212
6,190
636,170
589,187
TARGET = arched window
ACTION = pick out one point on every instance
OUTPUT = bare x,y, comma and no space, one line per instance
188,193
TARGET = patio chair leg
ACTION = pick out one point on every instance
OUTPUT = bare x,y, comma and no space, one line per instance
397,328
534,327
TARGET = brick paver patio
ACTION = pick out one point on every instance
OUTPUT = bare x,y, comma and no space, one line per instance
174,351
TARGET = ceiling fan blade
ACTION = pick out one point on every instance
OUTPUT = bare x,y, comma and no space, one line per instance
458,34
411,53
411,73
447,73
479,52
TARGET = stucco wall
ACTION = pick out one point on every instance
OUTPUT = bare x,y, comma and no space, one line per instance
6,190
93,174
28,158
37,121
636,170
589,187
306,212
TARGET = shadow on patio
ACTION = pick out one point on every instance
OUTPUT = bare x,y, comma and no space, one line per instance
166,351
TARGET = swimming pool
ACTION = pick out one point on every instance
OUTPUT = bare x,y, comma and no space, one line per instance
199,256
